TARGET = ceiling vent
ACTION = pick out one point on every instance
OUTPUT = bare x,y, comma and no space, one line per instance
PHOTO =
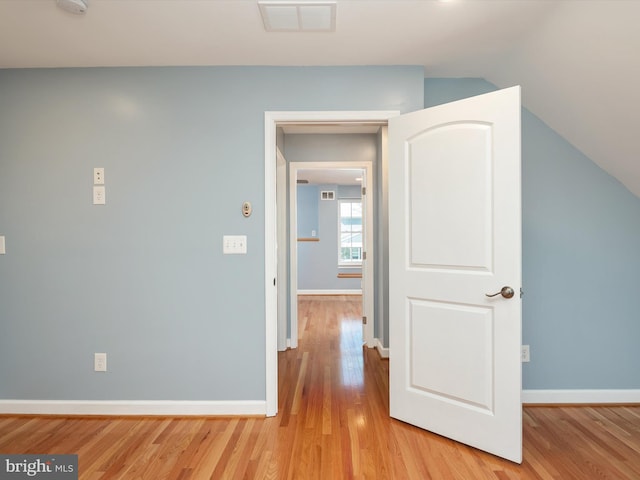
327,195
78,7
298,16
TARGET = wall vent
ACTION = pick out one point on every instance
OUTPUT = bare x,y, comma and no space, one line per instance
327,195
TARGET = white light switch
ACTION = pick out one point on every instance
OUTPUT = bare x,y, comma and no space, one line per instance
98,176
2,248
98,195
234,244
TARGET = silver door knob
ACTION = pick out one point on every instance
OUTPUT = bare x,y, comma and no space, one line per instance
506,292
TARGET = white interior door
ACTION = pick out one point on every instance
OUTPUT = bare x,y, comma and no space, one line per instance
454,237
365,264
368,258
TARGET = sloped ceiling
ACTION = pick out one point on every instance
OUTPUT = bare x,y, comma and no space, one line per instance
578,61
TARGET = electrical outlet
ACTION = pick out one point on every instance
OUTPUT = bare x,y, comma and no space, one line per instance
98,195
98,176
100,362
524,354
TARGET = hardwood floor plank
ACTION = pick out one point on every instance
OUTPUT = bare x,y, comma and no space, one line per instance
297,394
212,451
332,423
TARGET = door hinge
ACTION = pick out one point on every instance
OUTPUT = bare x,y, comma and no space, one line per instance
364,190
364,320
521,292
274,282
364,255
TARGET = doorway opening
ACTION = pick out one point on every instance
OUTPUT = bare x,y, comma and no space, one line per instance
274,245
331,240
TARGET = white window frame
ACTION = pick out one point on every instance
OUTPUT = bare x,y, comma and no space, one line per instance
342,263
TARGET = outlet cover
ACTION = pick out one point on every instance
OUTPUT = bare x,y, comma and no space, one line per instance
100,362
98,176
524,354
99,195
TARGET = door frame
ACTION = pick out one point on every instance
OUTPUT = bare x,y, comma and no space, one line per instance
271,120
283,257
367,270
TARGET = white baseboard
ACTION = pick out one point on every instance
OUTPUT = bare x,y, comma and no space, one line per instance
132,407
580,396
383,351
258,407
330,292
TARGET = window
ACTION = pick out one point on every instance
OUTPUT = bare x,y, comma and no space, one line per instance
350,251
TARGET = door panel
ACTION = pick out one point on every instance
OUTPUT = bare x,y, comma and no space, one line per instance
450,209
454,203
462,338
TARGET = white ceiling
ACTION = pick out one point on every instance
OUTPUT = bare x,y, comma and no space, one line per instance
578,61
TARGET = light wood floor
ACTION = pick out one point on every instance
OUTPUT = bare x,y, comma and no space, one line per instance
332,423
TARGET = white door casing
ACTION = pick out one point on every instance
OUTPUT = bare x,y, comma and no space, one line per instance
454,236
281,246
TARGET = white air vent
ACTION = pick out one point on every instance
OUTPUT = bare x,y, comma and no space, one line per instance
327,195
298,16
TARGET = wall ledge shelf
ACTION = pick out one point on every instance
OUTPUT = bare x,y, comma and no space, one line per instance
350,275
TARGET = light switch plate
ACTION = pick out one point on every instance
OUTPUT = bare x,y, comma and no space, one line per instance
234,244
2,246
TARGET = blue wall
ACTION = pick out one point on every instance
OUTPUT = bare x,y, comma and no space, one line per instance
581,260
307,203
143,278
